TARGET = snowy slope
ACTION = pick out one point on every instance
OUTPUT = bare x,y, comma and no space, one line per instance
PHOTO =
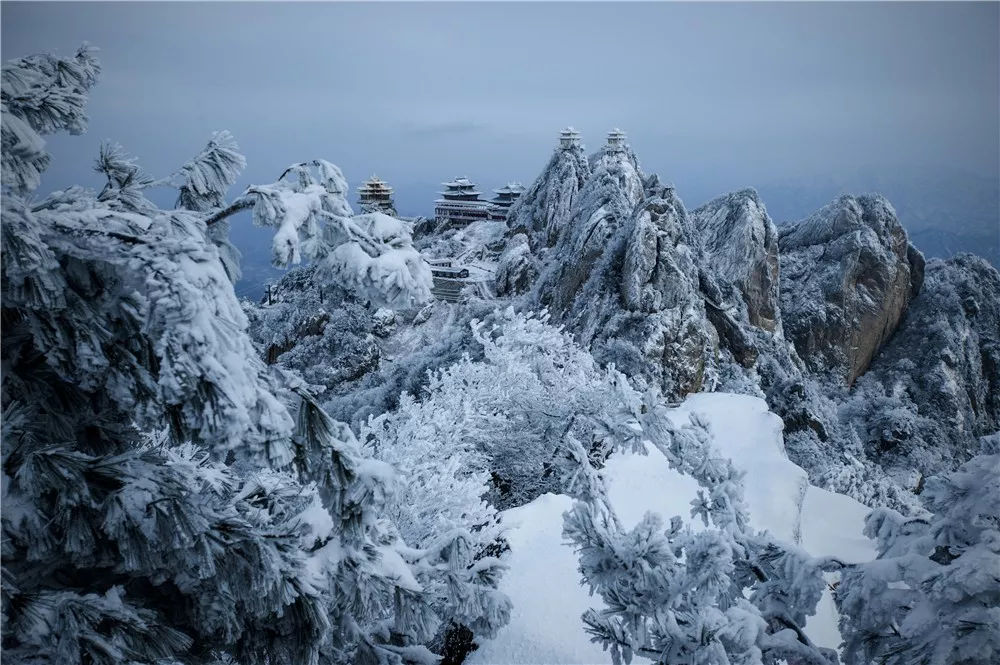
831,525
745,431
545,589
543,581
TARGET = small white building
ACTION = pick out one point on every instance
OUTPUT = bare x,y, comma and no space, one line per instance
616,141
569,138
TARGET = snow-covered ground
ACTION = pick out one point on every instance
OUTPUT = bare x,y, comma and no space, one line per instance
543,581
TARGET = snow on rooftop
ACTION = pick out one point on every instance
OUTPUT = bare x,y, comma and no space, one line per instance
460,182
510,188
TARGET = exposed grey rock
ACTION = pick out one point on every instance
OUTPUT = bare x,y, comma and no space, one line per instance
934,389
517,269
639,306
720,299
605,204
732,332
543,212
741,249
847,277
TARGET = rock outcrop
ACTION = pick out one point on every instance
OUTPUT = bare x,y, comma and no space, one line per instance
740,243
621,271
848,275
934,389
516,269
543,212
876,379
657,325
605,204
631,290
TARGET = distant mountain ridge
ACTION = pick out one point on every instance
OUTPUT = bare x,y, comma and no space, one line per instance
943,214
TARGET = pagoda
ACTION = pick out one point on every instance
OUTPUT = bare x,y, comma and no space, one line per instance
569,138
504,199
460,203
616,141
376,195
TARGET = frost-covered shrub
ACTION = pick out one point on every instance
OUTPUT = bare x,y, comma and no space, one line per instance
440,506
933,594
369,253
532,386
722,595
435,336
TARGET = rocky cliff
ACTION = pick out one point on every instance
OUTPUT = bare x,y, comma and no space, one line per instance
543,212
741,246
879,377
624,277
934,388
848,274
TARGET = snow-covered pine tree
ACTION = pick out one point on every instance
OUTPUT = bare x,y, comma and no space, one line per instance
41,95
142,518
932,597
724,595
117,548
315,329
371,253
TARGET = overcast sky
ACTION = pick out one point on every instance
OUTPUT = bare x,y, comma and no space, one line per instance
713,96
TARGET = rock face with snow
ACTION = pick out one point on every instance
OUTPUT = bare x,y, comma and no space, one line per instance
605,203
741,248
624,277
517,269
719,298
935,387
655,321
543,212
848,274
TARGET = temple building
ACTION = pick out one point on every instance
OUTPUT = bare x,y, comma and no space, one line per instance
376,195
460,204
569,138
616,141
504,199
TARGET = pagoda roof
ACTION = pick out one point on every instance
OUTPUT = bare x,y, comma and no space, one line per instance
511,188
375,183
459,183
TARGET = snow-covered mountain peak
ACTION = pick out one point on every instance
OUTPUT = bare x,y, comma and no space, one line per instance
543,212
741,248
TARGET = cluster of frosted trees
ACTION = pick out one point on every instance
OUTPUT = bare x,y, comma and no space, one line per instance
169,496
